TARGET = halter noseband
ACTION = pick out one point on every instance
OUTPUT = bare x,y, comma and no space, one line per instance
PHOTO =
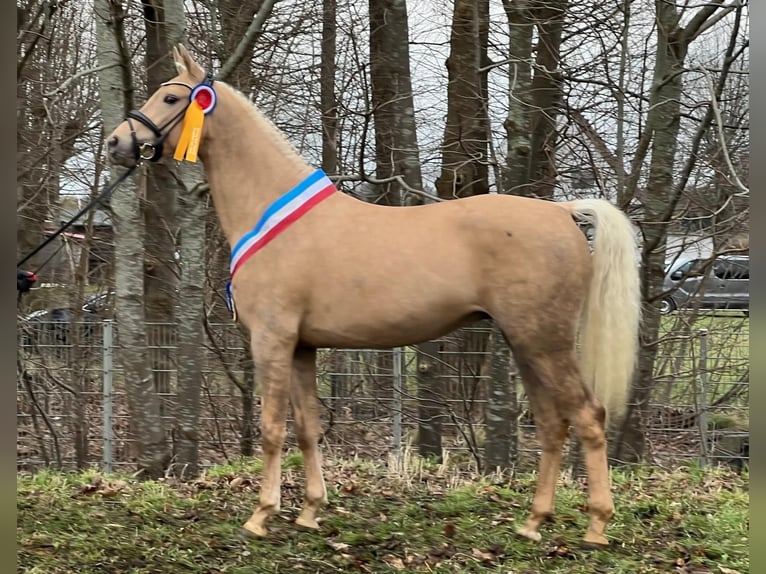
152,151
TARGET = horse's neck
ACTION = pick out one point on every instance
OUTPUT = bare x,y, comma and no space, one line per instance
249,164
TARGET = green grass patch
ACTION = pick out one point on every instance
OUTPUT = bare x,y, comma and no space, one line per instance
690,520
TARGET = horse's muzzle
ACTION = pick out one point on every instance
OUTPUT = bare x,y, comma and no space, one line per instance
121,152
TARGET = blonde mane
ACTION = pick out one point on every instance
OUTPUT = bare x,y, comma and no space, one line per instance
269,128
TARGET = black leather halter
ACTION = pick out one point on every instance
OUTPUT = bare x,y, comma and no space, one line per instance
152,151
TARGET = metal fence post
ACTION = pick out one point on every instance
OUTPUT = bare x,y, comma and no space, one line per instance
108,348
396,430
703,406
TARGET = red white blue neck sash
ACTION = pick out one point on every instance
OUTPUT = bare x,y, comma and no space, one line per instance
286,210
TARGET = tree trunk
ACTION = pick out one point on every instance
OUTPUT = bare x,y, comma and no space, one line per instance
501,447
429,403
235,19
464,169
397,154
116,96
160,268
191,316
329,103
396,146
535,100
520,105
464,147
546,87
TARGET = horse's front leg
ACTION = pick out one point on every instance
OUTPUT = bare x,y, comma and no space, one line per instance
273,364
303,397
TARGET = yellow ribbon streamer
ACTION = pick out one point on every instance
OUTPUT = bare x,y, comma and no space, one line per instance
191,133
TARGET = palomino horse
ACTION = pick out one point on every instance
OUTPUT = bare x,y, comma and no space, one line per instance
323,269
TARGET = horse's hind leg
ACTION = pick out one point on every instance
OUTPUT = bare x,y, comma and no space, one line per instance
562,385
551,432
588,421
305,405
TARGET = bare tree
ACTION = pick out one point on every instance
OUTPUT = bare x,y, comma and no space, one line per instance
663,191
116,81
159,209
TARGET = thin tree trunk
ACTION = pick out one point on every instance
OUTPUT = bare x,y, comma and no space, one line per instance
662,196
160,268
396,146
464,147
546,87
430,411
327,85
501,448
191,316
517,124
247,389
116,96
664,118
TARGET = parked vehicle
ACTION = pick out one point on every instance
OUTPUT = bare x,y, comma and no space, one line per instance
49,326
704,283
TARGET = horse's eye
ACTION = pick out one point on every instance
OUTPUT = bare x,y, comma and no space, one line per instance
171,99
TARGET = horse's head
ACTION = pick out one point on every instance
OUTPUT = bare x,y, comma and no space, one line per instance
153,131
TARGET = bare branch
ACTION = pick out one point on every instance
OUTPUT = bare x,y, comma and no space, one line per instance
395,178
722,138
247,41
699,23
68,82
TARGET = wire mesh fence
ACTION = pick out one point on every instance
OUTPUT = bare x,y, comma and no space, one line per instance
73,410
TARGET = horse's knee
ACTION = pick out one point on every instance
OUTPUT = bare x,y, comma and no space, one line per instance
307,440
272,438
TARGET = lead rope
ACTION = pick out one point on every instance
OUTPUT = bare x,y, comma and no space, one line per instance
101,197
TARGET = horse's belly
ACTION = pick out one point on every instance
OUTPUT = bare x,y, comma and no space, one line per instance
383,326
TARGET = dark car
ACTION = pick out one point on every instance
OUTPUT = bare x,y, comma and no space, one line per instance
53,326
719,283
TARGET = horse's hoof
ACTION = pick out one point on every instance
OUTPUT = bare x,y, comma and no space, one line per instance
308,524
529,534
247,534
594,542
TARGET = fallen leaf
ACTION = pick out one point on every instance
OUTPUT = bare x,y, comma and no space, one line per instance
449,530
237,483
92,486
107,491
725,570
394,561
483,556
339,546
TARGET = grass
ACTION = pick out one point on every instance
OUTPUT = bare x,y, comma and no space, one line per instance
426,519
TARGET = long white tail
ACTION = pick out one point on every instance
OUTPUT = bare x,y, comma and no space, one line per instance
612,313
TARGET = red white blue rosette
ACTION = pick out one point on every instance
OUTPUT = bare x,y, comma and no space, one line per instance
205,96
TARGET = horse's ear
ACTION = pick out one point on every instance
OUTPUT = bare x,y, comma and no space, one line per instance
185,62
178,60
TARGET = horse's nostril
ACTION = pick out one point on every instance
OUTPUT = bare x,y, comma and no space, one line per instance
113,141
